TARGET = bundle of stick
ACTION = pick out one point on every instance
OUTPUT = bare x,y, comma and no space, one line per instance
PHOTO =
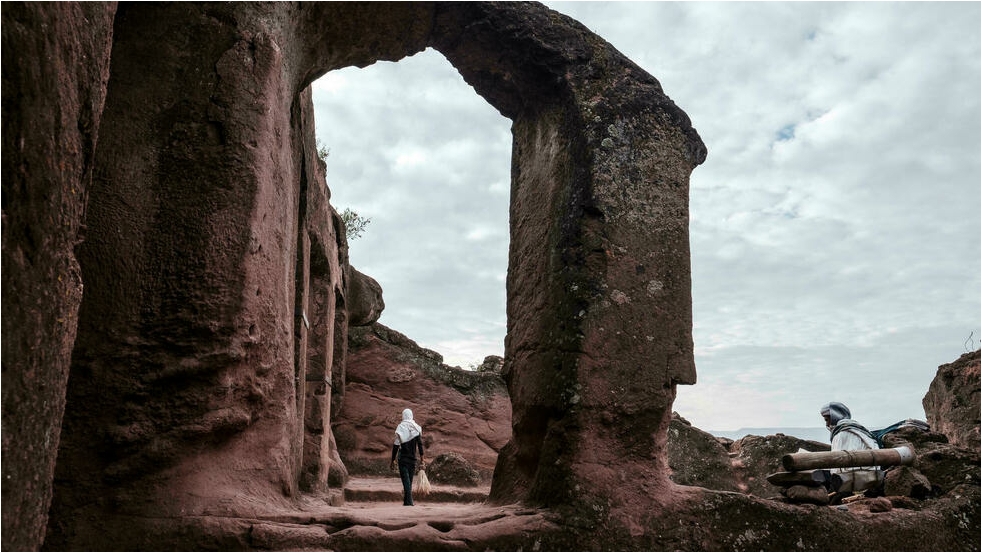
422,485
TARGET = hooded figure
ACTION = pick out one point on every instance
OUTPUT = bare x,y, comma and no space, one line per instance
834,412
409,439
849,435
408,428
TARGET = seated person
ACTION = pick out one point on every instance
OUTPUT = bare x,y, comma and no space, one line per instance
849,435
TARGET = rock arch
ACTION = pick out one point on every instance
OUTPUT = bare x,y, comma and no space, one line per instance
208,213
182,428
599,306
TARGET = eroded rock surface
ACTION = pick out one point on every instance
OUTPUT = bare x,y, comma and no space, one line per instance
697,458
756,457
952,401
213,274
945,466
451,468
365,302
55,67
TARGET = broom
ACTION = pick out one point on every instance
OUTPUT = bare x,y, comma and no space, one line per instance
422,485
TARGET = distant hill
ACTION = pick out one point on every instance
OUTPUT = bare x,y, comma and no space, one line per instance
814,434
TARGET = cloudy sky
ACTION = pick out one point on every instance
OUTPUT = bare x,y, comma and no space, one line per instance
835,226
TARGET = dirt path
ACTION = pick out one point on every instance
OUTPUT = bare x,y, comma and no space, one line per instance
373,518
376,488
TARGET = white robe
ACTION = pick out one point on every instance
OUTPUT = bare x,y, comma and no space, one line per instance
861,477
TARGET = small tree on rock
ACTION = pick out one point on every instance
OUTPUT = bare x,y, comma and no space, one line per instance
354,225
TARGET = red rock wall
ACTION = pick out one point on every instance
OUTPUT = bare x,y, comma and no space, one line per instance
215,269
952,401
212,260
55,67
211,249
461,411
696,458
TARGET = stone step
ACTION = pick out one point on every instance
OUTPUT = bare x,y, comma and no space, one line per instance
386,489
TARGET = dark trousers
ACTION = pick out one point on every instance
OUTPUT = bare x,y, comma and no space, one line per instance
832,481
406,471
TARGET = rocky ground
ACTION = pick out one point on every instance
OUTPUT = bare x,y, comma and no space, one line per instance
720,500
372,519
453,518
718,474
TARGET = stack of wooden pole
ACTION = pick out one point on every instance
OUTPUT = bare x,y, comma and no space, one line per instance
803,467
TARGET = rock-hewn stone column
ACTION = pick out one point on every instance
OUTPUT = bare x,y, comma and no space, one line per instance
208,221
184,391
599,302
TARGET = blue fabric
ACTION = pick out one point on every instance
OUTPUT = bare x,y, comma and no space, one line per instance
847,424
912,422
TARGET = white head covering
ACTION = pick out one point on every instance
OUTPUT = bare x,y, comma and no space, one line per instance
408,428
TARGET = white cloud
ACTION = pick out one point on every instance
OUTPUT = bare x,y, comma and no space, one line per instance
835,226
334,82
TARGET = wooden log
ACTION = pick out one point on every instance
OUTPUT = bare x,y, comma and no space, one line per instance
809,478
848,459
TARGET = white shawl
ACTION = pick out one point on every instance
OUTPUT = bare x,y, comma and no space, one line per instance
407,429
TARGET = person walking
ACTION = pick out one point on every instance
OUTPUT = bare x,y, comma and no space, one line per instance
409,439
